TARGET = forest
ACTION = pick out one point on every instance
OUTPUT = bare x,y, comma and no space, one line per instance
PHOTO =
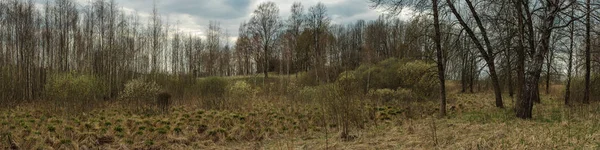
458,74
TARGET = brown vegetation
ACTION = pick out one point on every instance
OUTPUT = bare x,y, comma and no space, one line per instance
93,77
163,101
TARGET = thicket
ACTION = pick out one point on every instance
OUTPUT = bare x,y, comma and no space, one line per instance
75,90
140,92
578,88
212,91
337,107
393,79
6,86
240,90
316,77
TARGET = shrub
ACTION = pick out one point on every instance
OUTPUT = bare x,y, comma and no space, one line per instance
325,75
139,89
240,89
74,89
212,90
384,95
163,101
420,78
139,92
178,86
578,88
6,84
307,79
403,94
389,95
308,94
341,109
212,86
416,76
349,83
238,94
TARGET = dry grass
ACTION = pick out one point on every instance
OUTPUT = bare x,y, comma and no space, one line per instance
271,122
476,124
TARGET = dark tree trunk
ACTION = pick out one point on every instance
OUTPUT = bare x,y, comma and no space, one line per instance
530,91
496,84
548,64
266,61
472,70
522,105
440,61
509,77
586,96
570,63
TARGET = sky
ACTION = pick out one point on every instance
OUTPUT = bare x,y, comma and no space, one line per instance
193,16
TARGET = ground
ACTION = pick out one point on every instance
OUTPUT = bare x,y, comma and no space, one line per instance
473,123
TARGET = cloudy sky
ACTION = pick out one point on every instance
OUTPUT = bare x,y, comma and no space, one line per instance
193,16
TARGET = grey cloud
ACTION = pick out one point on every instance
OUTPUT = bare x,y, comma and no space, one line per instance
350,8
194,15
209,9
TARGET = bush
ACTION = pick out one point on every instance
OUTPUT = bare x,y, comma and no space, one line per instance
212,86
308,94
212,90
419,77
71,88
179,86
389,95
6,85
414,76
139,89
340,109
404,94
578,88
240,89
326,75
384,95
307,79
349,83
238,94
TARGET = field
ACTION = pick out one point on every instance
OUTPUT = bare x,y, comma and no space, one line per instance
270,122
240,74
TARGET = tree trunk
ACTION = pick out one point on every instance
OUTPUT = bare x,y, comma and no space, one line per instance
496,84
586,96
266,68
511,92
523,105
440,61
548,65
570,63
530,91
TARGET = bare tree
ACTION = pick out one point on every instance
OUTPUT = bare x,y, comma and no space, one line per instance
485,49
266,24
529,73
155,34
588,26
318,22
295,24
570,59
213,45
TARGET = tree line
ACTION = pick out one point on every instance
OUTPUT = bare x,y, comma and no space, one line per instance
515,45
527,34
